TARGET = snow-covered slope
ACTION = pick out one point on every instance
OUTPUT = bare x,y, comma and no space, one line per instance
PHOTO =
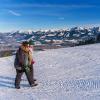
63,74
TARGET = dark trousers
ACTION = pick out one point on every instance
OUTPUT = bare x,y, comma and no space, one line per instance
29,75
32,71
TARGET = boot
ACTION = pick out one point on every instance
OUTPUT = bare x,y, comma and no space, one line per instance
34,84
17,87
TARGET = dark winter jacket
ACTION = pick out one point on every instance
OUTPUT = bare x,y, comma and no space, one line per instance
22,59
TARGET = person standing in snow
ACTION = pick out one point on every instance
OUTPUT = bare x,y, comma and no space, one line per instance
31,51
24,64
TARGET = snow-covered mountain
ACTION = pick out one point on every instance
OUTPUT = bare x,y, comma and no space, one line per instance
62,74
79,34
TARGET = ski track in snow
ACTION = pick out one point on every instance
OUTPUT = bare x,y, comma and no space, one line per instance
62,74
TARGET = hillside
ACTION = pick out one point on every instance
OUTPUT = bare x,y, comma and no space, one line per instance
63,74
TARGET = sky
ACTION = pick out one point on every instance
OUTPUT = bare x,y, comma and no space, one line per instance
48,14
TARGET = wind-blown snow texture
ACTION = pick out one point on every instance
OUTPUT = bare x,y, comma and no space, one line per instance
63,74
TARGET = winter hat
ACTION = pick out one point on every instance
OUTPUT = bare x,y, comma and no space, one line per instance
25,43
31,42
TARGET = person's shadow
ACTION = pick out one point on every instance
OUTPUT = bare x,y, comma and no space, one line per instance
8,82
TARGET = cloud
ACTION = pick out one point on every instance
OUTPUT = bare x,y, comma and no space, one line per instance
50,5
61,18
14,13
58,5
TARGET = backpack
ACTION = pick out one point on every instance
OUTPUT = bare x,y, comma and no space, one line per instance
16,61
21,60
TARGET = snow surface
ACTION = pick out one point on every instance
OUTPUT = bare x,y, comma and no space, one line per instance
63,74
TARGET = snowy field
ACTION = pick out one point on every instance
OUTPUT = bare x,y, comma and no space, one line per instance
62,74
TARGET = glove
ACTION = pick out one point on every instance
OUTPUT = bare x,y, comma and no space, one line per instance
33,62
19,68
